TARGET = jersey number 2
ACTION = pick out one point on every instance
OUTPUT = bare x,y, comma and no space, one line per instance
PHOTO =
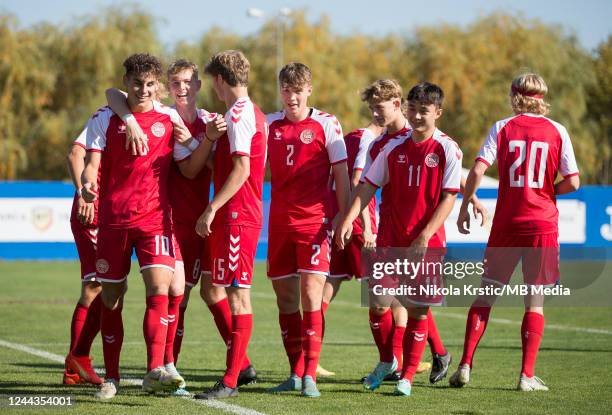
535,178
290,150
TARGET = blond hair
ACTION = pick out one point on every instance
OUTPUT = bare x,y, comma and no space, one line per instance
382,90
180,65
232,65
527,93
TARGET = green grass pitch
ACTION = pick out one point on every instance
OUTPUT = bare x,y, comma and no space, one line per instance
37,300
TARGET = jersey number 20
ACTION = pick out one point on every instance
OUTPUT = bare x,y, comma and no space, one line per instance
535,174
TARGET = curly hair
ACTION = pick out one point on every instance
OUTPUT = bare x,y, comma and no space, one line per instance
232,65
143,64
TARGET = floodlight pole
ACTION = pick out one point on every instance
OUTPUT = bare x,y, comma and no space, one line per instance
280,16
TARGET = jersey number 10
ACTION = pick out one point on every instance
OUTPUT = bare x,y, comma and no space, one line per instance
535,174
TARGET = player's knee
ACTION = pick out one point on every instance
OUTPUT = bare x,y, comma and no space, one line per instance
89,292
112,294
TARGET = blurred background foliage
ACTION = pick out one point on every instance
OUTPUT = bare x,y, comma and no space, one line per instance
53,77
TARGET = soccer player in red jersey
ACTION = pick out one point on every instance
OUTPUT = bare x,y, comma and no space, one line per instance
388,323
347,263
234,217
189,185
86,316
530,150
304,143
133,213
420,168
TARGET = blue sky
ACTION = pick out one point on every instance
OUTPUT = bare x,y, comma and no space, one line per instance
590,20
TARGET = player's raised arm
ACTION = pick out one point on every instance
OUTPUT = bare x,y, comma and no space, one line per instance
135,139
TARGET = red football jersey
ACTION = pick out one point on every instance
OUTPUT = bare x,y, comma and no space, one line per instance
357,145
189,197
375,148
530,150
246,135
414,175
81,141
133,189
301,155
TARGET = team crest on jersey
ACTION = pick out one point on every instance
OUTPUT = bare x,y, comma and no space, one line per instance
200,137
401,158
432,160
121,129
102,266
158,129
307,136
277,135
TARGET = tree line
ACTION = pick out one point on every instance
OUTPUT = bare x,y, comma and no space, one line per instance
53,77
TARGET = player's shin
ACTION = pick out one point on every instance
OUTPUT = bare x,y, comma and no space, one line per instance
414,345
291,332
155,330
475,326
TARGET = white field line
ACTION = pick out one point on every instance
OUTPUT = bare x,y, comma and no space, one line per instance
448,314
222,406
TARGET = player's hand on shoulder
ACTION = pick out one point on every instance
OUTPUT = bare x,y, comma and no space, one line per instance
136,140
216,128
89,192
85,213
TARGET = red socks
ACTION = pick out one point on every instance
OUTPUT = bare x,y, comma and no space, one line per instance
111,327
174,301
474,329
242,326
312,332
398,347
223,320
85,327
155,329
78,321
382,329
414,345
433,337
291,331
178,339
531,335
